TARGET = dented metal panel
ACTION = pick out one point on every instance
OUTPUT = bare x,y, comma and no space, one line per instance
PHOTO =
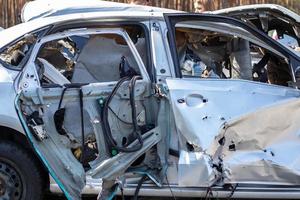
238,125
263,146
201,107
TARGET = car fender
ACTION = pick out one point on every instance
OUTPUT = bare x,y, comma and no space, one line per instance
8,114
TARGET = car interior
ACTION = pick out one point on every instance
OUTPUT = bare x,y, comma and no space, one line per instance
102,108
13,56
213,54
79,58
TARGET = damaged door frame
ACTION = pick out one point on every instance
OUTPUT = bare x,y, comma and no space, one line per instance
29,81
143,23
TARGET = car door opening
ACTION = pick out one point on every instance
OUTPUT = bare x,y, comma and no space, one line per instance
84,124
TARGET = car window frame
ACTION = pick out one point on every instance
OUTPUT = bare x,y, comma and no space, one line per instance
91,31
173,18
40,33
97,22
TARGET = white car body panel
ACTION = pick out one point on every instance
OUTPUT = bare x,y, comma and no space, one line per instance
251,124
45,8
8,113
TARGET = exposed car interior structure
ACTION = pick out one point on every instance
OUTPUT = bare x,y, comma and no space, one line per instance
203,116
219,54
102,83
96,114
79,57
12,57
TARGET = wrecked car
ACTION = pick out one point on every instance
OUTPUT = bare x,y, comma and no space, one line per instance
154,102
278,22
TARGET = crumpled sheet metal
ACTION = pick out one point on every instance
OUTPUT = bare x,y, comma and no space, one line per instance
263,146
259,124
194,169
201,106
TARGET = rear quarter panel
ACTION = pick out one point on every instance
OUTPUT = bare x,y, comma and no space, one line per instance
8,115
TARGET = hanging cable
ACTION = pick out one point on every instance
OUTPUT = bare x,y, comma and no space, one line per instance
233,189
116,115
209,193
82,124
170,188
106,127
60,113
140,183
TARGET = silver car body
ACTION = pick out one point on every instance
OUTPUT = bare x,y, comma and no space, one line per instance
244,134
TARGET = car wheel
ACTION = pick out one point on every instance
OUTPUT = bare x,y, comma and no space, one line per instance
20,177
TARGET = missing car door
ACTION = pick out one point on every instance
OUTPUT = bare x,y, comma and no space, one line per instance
84,112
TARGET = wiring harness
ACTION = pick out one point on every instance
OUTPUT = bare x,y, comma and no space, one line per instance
104,115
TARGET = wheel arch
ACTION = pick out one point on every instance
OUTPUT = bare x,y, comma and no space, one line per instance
12,135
